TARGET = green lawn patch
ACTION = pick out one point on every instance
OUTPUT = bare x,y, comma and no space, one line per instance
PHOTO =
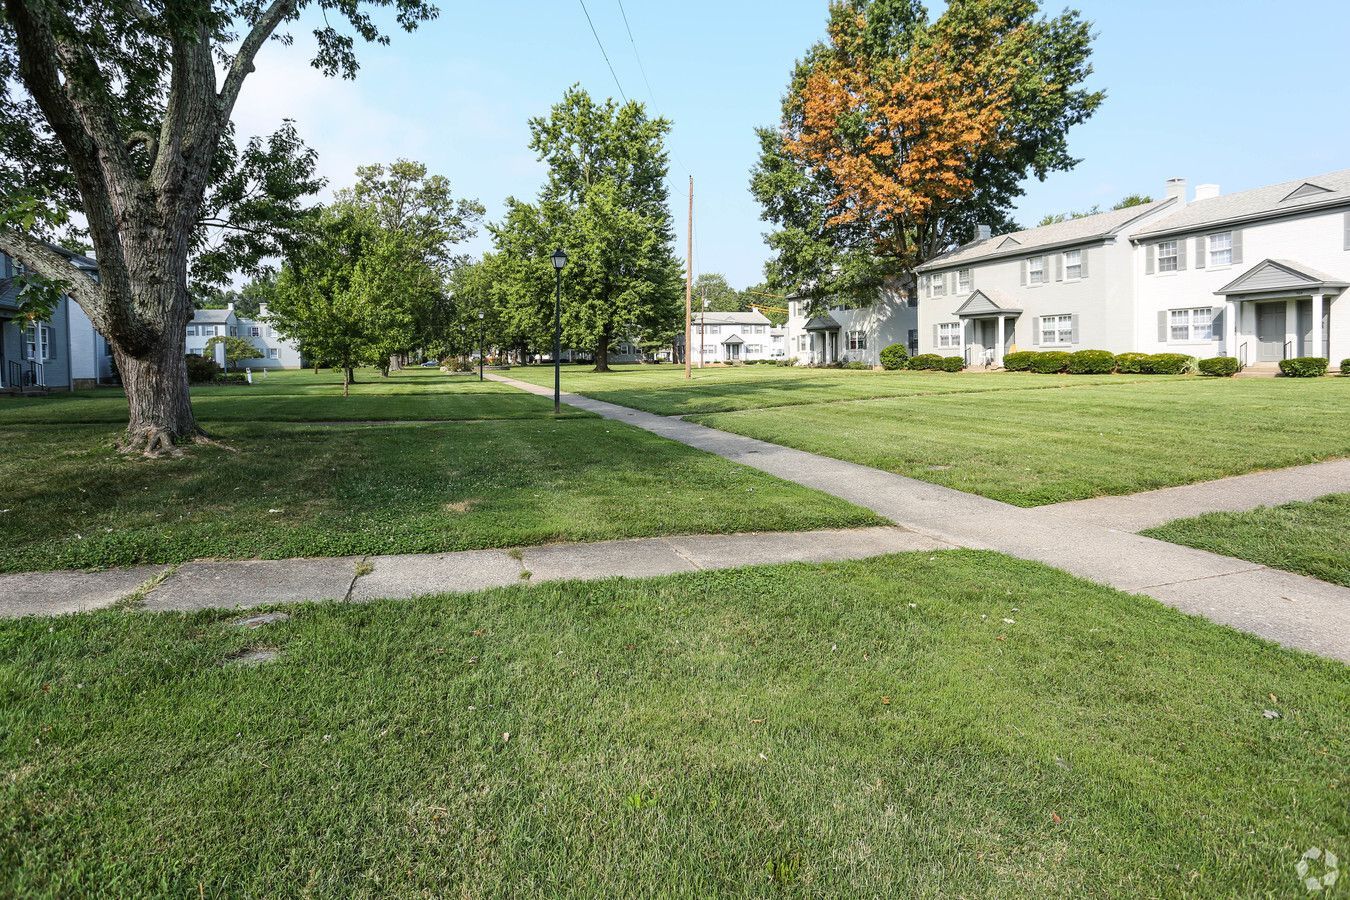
314,490
662,389
1310,538
864,729
1030,447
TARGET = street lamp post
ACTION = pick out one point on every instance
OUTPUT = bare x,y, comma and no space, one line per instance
480,345
559,260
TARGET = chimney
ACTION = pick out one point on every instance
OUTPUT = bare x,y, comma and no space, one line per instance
1206,191
983,232
1176,188
229,307
262,310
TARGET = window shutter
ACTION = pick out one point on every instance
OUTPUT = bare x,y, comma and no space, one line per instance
1237,246
1148,260
51,344
1162,326
1347,231
1024,273
951,282
1082,263
935,334
1036,331
1216,323
1073,337
1059,266
1200,252
1181,254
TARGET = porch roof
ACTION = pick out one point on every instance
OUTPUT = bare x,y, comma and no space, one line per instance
1280,276
822,323
734,339
984,304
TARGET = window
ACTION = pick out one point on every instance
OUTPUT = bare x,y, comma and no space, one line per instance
949,334
913,341
234,332
273,353
857,340
192,331
712,329
963,281
1036,270
1190,324
1073,264
254,331
1221,249
801,342
1056,329
754,348
1167,256
37,340
938,285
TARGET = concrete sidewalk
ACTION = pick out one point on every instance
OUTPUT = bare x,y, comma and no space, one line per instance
1293,610
245,583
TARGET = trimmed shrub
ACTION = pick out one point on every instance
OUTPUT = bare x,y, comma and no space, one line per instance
1130,363
952,364
1345,367
1050,362
1019,361
1304,367
201,369
894,357
1167,364
230,378
925,361
856,365
1220,366
1092,362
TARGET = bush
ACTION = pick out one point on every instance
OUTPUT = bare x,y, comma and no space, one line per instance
201,369
894,357
856,365
1220,366
230,378
1304,367
1050,362
1167,364
1345,367
1130,363
1092,362
924,361
952,364
1019,361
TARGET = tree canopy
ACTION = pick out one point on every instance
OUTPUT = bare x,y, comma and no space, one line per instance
900,134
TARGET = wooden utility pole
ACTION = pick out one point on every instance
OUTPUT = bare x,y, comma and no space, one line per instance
689,286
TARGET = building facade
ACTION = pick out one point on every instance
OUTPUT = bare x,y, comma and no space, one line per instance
847,334
1259,275
735,337
63,352
274,351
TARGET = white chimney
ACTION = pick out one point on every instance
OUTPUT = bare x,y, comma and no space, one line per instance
229,307
262,310
1206,191
983,232
1176,189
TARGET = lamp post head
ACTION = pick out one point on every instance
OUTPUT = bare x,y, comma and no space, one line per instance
480,315
559,259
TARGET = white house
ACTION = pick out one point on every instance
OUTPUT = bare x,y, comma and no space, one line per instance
1259,275
732,337
274,351
847,334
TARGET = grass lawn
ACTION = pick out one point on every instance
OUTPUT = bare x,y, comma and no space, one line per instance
862,729
298,488
662,389
1311,538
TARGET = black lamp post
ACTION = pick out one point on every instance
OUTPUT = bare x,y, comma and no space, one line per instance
480,345
559,260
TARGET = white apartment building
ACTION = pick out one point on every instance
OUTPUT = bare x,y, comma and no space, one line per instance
732,337
274,351
848,334
1260,275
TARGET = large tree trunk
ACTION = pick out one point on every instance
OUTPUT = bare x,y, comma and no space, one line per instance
160,412
602,350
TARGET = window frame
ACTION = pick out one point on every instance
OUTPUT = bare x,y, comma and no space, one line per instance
1061,332
949,335
1174,257
1211,250
1036,270
1077,256
37,338
857,340
1198,322
964,280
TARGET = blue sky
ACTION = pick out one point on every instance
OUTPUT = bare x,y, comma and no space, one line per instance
1243,94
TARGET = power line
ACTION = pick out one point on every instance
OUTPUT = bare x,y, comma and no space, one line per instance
633,43
601,45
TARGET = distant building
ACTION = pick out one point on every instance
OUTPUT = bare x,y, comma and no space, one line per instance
274,351
63,352
732,337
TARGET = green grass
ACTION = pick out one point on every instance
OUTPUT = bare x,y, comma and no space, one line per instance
1030,447
662,389
298,488
863,729
1311,538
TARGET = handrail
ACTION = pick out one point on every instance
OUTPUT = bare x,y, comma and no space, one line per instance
1288,349
1242,355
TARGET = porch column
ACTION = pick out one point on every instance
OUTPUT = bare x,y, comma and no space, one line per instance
1316,326
961,330
1232,328
998,348
1291,335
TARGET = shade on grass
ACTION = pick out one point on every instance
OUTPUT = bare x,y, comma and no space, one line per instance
311,490
955,724
1044,446
663,389
1311,538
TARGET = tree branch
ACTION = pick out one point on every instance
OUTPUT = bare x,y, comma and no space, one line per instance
242,65
52,266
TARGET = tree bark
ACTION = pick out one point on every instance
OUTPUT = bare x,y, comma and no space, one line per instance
602,350
158,405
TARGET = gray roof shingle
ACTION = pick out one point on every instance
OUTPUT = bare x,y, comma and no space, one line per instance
212,316
1256,203
731,318
1071,231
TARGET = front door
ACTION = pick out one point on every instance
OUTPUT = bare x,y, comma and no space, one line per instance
1270,332
733,352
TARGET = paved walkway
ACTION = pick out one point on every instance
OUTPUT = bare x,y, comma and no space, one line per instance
244,583
1291,609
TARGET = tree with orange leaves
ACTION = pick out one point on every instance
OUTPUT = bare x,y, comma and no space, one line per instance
899,134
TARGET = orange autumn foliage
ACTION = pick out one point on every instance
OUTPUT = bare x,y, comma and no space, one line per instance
898,136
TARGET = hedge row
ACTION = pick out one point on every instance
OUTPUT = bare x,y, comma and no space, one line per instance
933,362
1304,366
1097,362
